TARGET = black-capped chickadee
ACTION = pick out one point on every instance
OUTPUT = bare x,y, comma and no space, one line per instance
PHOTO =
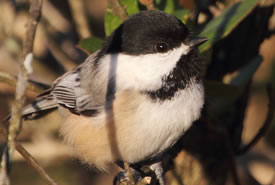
135,97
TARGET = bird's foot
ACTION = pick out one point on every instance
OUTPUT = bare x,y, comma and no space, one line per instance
159,172
124,177
143,177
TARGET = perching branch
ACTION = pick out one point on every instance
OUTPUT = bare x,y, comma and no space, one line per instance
118,9
24,70
131,178
144,181
78,12
267,123
129,174
34,164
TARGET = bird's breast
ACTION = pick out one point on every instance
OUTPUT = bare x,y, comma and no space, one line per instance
159,124
133,127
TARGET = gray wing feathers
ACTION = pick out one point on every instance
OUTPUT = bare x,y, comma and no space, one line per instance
64,91
65,95
41,104
80,90
83,89
33,110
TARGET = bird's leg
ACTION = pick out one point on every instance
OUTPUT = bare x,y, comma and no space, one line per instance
159,172
120,177
133,175
129,175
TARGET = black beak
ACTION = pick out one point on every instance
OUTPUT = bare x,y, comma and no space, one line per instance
196,41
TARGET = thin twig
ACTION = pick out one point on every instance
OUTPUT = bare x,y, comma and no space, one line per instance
4,177
118,9
78,12
55,18
56,49
273,180
229,150
11,80
266,125
24,70
60,55
232,160
34,164
214,10
148,3
177,177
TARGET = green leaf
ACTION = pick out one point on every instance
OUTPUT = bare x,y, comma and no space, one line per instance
112,22
182,14
132,6
169,6
90,45
222,25
165,5
158,2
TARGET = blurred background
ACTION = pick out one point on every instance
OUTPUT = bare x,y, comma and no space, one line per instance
57,48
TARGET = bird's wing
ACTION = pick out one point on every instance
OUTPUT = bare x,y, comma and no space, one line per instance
82,91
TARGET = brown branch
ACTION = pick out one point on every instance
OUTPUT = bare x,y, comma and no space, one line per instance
266,125
176,176
223,134
78,12
273,180
148,3
214,10
58,21
232,159
130,177
118,9
11,80
60,55
34,164
4,177
24,70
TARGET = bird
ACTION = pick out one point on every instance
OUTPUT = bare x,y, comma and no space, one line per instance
132,99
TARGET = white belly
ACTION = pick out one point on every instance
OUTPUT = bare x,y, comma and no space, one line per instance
160,124
134,129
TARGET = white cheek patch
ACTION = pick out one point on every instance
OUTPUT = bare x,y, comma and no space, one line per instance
142,72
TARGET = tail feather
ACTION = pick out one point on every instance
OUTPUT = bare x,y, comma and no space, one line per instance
40,105
34,110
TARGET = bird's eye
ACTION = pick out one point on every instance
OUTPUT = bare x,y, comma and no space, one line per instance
161,47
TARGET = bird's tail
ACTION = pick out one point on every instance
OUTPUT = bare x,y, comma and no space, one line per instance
41,106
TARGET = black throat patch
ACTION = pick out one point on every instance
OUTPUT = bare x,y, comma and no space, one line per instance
188,68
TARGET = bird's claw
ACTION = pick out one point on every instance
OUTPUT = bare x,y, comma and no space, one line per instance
158,170
139,179
123,177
